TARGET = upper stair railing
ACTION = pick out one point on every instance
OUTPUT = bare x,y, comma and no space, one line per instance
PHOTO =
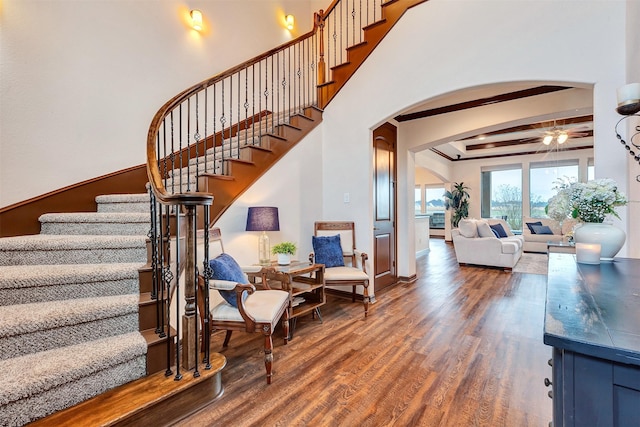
199,130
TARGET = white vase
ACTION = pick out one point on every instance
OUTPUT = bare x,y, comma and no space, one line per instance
610,238
284,259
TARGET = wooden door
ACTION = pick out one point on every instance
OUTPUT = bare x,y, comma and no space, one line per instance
384,181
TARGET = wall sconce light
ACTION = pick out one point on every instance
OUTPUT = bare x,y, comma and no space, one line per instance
196,19
289,20
629,99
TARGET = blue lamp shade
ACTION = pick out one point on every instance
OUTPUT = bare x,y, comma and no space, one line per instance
263,218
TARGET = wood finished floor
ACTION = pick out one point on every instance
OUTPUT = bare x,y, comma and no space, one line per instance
462,346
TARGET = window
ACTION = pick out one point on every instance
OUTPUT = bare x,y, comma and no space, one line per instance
501,194
591,170
418,200
434,206
542,180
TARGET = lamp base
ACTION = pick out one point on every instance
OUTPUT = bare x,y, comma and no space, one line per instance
264,249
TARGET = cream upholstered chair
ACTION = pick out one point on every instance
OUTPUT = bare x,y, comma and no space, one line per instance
341,266
257,310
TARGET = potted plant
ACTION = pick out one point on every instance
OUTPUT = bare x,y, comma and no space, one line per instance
590,203
284,251
458,200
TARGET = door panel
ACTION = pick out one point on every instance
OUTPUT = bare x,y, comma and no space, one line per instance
384,257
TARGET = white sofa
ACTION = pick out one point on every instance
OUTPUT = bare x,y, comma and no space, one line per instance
538,242
475,243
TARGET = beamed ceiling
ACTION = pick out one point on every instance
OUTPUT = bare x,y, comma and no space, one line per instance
511,140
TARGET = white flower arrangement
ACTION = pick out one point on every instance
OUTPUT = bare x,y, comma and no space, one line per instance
586,202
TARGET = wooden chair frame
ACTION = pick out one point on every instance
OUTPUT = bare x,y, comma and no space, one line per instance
351,256
249,323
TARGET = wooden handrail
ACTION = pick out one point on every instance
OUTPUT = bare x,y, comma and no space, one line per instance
155,178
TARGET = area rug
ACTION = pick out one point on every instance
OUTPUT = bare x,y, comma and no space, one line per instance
531,263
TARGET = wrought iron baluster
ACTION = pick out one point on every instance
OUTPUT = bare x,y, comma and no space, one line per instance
222,122
272,96
180,151
167,277
246,107
206,115
178,375
196,138
230,127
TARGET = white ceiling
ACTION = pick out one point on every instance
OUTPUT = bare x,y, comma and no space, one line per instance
519,141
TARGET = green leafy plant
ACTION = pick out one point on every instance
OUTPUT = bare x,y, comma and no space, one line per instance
284,248
458,200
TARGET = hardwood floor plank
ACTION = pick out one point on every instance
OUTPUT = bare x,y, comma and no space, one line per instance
461,346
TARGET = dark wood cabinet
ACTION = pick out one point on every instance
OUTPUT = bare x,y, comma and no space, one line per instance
592,321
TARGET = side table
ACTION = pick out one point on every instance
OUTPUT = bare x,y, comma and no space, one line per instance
305,283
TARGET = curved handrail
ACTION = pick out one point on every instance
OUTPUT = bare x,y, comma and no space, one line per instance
234,109
153,170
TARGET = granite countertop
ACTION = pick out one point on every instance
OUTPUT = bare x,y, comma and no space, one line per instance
594,309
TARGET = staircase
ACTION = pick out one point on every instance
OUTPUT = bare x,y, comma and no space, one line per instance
76,316
69,314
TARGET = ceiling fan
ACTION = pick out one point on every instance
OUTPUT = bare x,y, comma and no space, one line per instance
560,135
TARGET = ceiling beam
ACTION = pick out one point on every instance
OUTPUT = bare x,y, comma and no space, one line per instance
520,141
510,96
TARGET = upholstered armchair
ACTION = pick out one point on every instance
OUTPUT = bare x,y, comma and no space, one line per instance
242,308
334,245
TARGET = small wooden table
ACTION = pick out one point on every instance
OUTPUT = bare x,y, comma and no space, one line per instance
305,283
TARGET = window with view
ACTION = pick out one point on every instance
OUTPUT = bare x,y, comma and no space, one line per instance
543,178
434,206
501,194
418,200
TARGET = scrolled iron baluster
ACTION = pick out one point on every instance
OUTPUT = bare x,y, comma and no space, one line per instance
207,273
178,375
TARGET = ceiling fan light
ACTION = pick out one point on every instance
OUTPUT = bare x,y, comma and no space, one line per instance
562,138
547,140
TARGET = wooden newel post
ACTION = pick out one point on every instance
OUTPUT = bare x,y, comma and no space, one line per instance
189,356
321,64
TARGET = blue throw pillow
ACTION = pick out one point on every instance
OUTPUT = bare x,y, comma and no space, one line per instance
495,233
328,250
541,229
531,224
226,268
499,229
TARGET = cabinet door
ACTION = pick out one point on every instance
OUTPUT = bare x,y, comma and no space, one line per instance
626,395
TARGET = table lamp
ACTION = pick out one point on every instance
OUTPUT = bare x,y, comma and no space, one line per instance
263,218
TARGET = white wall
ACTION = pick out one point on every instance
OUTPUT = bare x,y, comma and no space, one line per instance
106,69
294,185
81,80
445,45
632,76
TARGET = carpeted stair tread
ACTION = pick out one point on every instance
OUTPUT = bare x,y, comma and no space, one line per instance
21,284
123,198
93,217
35,327
35,385
95,223
123,203
72,249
